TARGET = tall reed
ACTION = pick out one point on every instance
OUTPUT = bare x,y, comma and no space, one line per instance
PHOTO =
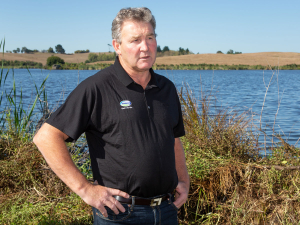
231,183
30,193
16,117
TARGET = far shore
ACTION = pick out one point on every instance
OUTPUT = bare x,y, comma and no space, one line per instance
261,58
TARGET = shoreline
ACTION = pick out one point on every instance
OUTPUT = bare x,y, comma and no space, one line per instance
203,66
250,59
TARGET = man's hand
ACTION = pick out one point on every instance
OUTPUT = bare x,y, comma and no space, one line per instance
181,194
99,196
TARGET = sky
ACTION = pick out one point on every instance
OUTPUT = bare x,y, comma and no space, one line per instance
201,26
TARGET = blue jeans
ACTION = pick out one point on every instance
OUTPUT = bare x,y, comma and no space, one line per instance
163,214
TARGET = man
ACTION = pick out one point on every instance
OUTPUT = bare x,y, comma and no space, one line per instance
132,120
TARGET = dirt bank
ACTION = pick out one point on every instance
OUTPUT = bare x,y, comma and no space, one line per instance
261,58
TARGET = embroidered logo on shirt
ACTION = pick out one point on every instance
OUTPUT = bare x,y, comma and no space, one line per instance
126,104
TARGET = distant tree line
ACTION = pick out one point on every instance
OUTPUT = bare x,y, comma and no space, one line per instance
167,52
58,49
165,49
183,52
82,51
230,51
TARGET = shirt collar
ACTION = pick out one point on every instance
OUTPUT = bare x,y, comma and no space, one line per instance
127,80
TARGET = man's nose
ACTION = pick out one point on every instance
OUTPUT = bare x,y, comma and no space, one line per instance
144,46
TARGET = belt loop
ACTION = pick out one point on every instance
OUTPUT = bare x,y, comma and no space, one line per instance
133,203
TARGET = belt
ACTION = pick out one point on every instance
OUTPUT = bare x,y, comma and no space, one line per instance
142,201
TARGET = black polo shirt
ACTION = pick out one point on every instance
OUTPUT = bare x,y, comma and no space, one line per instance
130,131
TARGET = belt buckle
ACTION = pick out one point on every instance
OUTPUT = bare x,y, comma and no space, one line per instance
155,202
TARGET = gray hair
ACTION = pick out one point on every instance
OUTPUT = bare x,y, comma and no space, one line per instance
142,14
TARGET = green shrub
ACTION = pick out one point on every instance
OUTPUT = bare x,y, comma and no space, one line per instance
54,60
82,51
92,57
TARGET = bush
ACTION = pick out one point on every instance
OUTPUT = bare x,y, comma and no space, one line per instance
54,60
93,57
50,50
82,51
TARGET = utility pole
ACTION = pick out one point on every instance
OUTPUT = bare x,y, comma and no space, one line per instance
109,45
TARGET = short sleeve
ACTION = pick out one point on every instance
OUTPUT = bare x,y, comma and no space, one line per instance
74,116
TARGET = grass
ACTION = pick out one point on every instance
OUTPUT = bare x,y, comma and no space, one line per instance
30,193
231,183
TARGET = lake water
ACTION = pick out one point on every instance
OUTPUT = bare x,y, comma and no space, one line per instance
242,90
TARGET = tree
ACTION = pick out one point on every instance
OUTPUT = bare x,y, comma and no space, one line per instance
50,50
165,49
158,49
181,51
82,51
18,50
219,52
24,50
14,51
233,52
187,51
59,49
54,60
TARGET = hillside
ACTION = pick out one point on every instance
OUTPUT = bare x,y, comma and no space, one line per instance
261,58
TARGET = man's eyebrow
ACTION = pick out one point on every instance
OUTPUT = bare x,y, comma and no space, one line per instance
135,37
151,34
138,36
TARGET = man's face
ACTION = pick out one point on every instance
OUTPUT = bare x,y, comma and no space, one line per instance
137,51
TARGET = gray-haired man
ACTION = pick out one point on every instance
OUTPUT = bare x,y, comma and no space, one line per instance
132,120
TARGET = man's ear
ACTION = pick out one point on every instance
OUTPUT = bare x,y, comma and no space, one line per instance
116,46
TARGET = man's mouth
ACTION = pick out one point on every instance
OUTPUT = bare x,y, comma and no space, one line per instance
145,57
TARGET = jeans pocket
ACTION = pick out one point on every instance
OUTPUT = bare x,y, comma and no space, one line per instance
171,200
172,204
111,215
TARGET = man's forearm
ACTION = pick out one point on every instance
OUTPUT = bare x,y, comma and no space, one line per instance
50,142
182,189
181,168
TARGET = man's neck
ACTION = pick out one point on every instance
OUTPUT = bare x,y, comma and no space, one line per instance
140,77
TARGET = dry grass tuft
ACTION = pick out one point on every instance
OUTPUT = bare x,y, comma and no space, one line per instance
230,182
30,191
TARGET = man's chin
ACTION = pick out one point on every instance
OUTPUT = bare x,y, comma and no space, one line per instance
144,67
